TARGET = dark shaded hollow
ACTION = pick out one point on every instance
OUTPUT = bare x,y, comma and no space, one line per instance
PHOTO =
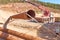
31,13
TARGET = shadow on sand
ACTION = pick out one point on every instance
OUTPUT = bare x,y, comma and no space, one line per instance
45,33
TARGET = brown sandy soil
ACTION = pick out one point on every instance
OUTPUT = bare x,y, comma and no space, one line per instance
21,7
18,25
31,29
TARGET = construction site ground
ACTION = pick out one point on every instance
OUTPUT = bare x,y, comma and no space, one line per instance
29,28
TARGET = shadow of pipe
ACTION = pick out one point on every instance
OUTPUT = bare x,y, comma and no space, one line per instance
46,34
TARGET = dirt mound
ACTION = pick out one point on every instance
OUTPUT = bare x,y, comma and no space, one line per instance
21,7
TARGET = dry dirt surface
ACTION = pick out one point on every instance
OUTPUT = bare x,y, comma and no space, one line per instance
24,26
21,7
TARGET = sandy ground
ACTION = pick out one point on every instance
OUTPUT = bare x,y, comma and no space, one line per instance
4,15
30,29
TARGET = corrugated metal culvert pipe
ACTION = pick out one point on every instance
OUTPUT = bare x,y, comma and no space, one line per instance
31,13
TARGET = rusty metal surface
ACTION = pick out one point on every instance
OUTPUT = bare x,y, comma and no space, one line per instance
24,16
9,36
21,35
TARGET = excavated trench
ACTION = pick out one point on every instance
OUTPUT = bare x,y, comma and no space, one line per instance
9,34
19,30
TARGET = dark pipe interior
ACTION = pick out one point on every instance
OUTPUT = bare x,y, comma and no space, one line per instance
31,13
